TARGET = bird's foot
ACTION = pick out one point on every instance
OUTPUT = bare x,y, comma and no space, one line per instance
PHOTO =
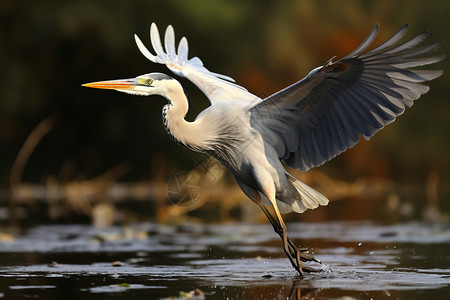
306,256
309,269
302,254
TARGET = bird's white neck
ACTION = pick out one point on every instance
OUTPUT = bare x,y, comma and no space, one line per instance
184,132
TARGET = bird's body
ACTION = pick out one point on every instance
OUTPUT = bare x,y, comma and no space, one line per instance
224,131
302,126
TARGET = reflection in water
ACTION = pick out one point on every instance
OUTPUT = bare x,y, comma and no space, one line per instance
296,293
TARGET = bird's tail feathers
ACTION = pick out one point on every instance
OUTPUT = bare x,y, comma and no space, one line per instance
309,197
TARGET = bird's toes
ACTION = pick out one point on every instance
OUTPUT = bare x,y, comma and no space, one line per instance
309,269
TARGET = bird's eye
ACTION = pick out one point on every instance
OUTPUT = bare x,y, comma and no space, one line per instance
149,81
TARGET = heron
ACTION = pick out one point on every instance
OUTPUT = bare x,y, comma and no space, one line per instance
301,126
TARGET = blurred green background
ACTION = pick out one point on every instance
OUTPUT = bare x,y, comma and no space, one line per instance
49,48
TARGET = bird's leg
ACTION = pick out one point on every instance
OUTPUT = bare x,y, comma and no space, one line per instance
294,254
277,227
288,246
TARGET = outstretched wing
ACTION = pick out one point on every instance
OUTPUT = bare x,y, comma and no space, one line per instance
325,113
215,86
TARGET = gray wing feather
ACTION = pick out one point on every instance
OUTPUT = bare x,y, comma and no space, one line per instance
367,42
326,113
396,37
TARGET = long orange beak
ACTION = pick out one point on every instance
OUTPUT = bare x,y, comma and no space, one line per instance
122,84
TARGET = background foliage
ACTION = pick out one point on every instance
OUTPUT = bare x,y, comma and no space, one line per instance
49,48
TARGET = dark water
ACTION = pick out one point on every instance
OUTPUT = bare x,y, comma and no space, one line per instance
227,261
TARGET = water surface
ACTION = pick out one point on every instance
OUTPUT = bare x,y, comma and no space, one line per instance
361,260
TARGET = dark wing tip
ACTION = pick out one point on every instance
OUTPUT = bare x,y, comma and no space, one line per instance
426,33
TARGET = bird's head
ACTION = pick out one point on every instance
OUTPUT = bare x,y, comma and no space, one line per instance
144,85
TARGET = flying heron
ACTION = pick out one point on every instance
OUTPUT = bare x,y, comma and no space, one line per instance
302,126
